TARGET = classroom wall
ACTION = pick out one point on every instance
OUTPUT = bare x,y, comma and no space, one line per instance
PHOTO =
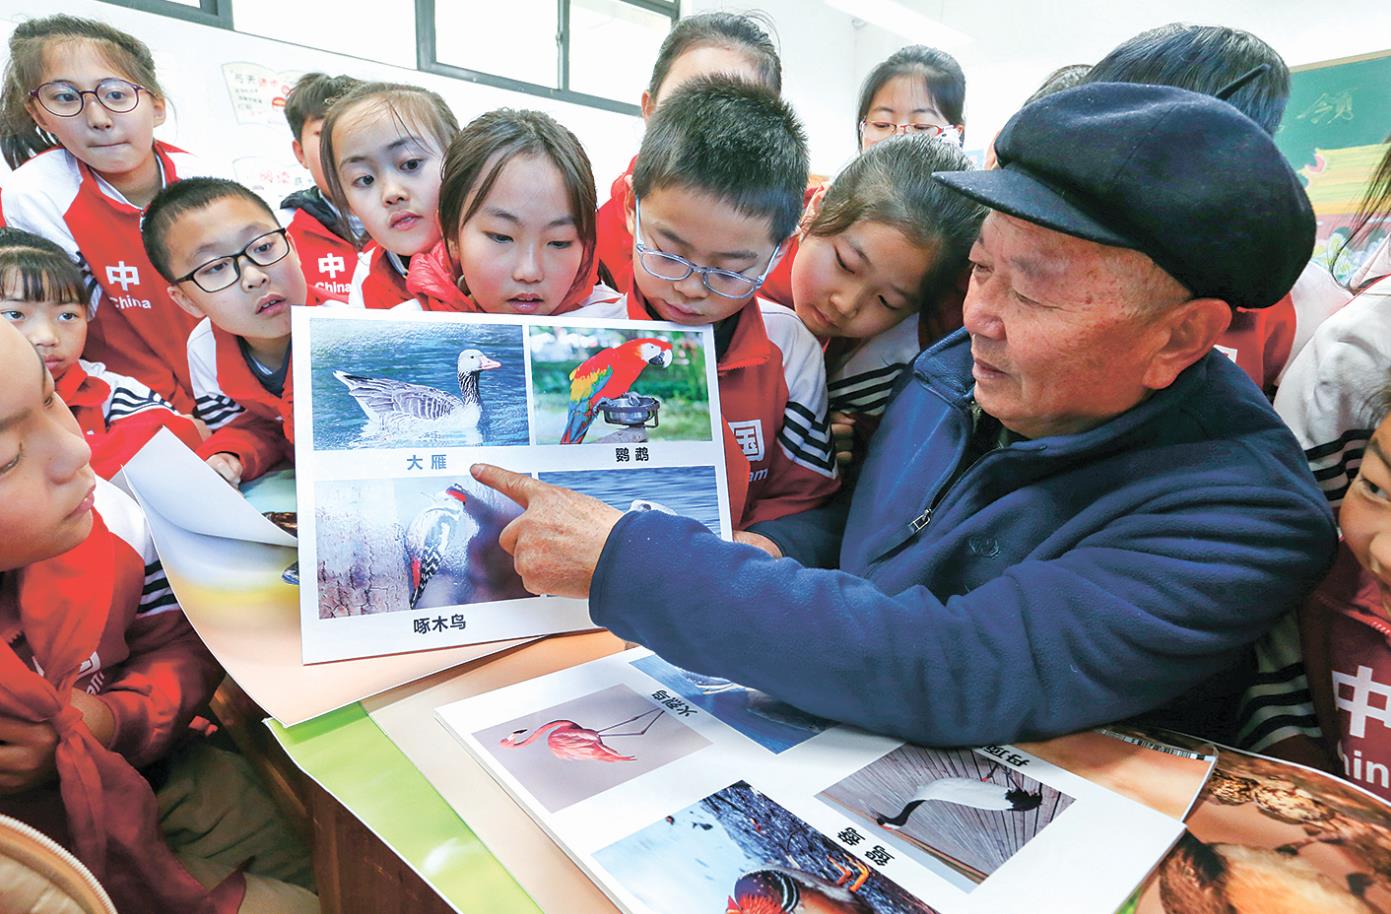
826,55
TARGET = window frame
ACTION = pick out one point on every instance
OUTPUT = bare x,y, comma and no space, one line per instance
216,13
427,56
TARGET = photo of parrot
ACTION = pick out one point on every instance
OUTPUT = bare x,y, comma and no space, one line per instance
605,375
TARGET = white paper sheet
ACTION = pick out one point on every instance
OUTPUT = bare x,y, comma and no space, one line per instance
677,793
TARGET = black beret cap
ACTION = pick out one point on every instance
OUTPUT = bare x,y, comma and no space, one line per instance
1181,177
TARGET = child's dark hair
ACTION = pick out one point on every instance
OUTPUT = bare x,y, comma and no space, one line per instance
732,141
1206,59
183,197
744,32
891,183
416,110
312,95
938,70
507,134
20,138
1065,77
34,269
1371,211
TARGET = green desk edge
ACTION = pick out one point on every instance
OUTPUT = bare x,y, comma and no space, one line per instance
351,758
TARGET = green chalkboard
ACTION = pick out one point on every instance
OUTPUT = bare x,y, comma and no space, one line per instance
1334,133
1336,105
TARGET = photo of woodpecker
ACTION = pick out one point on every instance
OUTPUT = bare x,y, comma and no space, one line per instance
740,852
596,386
959,812
405,544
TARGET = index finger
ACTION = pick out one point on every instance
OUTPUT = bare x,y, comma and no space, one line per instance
517,486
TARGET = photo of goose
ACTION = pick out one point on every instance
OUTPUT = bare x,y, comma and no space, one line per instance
390,384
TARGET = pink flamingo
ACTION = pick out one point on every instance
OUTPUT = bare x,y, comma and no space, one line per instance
568,741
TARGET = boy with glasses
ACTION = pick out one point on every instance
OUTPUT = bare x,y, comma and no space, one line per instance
229,263
717,193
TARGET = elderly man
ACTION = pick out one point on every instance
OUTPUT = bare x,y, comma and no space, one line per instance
1074,512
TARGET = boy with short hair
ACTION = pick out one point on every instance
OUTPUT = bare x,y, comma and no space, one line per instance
42,295
230,263
716,196
324,237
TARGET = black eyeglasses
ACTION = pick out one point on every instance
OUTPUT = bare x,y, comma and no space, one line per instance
724,283
222,272
63,99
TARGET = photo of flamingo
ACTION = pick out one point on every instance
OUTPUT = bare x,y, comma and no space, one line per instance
392,384
959,812
740,852
577,371
401,544
580,748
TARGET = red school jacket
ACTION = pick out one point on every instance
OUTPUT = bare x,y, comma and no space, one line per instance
138,330
247,420
118,414
379,280
327,258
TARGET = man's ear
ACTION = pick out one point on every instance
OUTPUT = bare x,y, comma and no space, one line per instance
1192,328
183,301
649,104
298,149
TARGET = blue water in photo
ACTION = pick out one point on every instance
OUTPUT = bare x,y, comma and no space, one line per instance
686,490
418,353
772,724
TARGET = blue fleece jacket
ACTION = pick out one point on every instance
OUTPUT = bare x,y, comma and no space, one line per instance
1059,583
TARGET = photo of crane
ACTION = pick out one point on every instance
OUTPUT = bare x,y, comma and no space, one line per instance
959,812
602,386
403,544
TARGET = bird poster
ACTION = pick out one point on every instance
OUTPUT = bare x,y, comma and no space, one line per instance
678,792
398,544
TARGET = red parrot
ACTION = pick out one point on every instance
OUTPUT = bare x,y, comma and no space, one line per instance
605,375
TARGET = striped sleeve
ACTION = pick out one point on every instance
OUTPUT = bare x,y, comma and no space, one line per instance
805,435
128,396
864,382
1278,704
157,596
210,404
1328,389
867,392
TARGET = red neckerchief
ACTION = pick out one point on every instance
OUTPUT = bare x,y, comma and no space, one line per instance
84,396
433,279
64,606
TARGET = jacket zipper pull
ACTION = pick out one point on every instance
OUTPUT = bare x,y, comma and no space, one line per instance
921,521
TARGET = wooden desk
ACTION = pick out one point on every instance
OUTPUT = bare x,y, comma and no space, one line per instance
354,870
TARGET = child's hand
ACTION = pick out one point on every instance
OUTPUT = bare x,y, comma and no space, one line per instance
228,466
203,431
759,540
843,437
26,754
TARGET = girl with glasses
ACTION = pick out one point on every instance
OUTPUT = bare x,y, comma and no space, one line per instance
918,91
80,105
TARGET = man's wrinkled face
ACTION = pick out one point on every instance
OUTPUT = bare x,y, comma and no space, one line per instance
1063,330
